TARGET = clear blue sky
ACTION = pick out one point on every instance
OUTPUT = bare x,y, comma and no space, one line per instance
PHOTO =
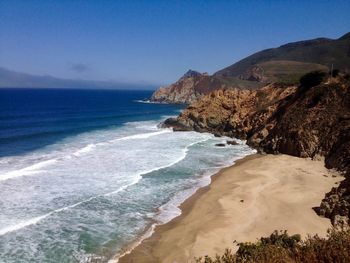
154,41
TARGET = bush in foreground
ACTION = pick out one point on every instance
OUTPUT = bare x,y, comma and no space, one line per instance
279,247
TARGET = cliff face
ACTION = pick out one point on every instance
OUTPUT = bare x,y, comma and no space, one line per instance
189,88
232,112
299,121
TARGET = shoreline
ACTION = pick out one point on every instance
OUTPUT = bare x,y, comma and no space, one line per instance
180,240
185,207
152,227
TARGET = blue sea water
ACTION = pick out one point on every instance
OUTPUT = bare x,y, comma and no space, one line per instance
33,118
87,173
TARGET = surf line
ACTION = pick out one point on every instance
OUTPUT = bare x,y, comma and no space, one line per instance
36,220
35,168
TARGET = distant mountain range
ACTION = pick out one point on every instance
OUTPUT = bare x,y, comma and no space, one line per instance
13,79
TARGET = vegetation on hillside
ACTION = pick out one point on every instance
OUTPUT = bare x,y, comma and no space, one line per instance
288,72
312,79
320,51
280,247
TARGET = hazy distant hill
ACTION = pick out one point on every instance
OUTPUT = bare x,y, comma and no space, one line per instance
13,79
275,63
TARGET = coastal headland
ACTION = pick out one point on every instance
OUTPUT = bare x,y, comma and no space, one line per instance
287,102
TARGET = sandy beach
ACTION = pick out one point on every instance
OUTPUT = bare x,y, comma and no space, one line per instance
257,195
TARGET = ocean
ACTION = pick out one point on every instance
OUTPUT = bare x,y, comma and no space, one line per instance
84,174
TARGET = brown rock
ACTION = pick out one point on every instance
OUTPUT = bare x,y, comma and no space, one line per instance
188,89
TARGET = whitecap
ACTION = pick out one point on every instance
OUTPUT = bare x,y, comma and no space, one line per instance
142,135
18,226
30,170
85,149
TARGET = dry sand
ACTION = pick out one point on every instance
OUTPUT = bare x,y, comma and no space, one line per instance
250,199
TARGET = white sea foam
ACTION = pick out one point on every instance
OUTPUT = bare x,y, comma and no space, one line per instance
149,102
36,220
30,170
18,226
171,209
142,135
86,149
103,165
37,168
137,178
184,153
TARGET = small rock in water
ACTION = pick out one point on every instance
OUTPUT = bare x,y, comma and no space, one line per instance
220,144
232,142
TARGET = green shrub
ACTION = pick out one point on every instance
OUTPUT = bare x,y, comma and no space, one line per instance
281,239
279,247
312,79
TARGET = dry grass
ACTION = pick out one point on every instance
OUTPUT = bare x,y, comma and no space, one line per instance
279,247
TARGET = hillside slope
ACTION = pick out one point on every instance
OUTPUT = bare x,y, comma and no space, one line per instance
321,51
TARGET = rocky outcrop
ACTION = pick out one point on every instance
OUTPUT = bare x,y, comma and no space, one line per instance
254,73
232,112
189,88
336,204
299,121
192,74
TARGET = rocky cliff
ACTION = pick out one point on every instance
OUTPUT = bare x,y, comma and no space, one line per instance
303,121
189,88
232,112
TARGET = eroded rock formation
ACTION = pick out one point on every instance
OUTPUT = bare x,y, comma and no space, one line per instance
232,112
189,88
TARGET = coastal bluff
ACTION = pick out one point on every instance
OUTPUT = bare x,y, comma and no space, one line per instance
302,121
